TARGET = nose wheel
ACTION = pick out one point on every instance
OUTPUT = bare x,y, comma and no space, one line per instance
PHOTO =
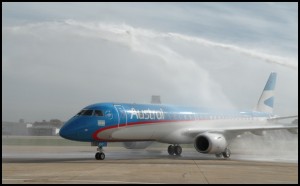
100,155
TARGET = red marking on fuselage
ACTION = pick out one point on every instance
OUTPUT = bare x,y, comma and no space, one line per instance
95,134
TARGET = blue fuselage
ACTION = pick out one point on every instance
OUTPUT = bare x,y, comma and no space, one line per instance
97,118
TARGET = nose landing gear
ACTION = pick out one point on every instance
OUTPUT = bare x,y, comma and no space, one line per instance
100,155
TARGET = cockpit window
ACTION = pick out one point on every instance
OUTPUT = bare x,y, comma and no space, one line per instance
80,113
88,113
98,113
85,113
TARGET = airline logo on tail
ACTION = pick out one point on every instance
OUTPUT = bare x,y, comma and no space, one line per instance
266,100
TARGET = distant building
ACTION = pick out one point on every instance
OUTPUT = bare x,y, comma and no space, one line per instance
14,128
43,128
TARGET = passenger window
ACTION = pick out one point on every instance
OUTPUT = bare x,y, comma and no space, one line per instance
98,113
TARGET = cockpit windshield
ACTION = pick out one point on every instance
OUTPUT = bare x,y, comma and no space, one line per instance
90,113
80,113
85,113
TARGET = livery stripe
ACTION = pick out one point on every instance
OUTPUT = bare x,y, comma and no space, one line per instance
133,124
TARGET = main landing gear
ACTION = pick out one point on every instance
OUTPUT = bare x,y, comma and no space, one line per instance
175,150
100,155
225,154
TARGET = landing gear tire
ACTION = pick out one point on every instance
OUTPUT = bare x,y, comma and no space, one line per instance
226,153
171,150
100,156
178,150
175,150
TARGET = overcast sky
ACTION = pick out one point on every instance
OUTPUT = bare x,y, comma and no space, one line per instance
60,57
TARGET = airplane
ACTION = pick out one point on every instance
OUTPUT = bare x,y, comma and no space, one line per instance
138,125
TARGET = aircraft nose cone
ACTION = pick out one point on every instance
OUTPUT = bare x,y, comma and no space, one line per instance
65,132
62,132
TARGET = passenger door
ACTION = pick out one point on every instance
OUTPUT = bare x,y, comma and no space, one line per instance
122,116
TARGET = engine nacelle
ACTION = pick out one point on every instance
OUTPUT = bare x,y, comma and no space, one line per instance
210,143
137,144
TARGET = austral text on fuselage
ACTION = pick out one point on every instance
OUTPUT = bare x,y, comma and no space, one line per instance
147,114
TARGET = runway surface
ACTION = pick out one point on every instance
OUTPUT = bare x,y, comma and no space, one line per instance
76,164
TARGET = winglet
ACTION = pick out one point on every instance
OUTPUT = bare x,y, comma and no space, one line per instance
266,100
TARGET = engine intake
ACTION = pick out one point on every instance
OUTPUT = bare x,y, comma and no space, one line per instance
210,143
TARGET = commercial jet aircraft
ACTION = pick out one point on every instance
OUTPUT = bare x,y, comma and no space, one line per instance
138,125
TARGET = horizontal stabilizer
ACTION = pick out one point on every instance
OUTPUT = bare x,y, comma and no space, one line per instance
281,118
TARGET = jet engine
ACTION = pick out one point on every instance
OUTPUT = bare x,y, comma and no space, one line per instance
137,144
210,143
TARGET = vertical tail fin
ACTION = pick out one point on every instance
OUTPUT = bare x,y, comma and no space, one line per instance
266,100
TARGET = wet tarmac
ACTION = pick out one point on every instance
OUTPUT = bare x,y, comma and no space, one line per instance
76,164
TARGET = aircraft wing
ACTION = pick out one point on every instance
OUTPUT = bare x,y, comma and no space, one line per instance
259,129
256,127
